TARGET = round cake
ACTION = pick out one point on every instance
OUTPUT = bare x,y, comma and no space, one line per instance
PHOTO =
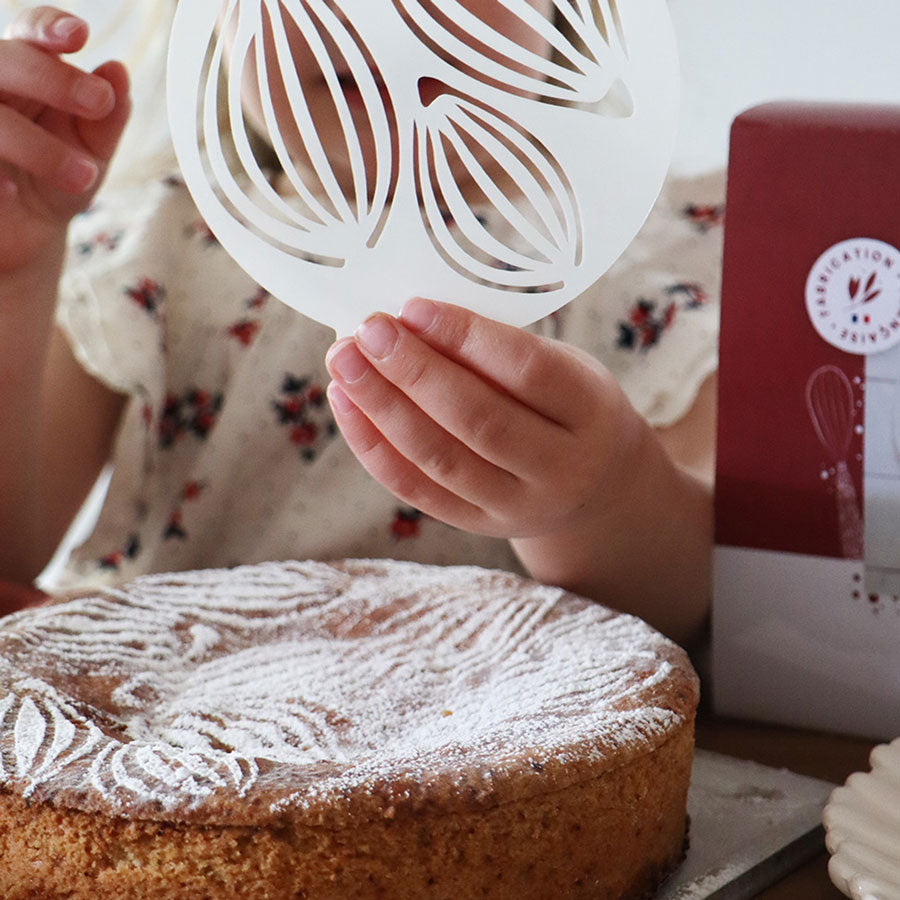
363,729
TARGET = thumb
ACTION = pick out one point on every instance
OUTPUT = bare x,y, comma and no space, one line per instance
101,136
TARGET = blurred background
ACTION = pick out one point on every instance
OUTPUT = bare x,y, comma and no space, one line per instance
734,53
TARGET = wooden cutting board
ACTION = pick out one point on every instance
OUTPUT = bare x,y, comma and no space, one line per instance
750,825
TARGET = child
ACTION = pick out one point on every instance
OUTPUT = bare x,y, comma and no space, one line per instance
492,445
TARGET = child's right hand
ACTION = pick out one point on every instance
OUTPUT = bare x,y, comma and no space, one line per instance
59,127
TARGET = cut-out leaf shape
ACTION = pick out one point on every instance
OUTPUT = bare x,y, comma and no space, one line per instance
587,54
541,230
321,214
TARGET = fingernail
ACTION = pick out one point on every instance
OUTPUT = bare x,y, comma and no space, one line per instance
340,402
93,94
378,335
347,362
65,27
80,174
419,314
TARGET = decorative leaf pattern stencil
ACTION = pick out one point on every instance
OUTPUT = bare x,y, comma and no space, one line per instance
499,155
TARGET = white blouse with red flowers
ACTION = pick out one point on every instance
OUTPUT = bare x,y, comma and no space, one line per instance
228,453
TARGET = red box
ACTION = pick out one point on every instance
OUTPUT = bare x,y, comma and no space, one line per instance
808,480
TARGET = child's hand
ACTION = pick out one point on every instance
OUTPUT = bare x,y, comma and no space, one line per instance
484,426
498,431
59,127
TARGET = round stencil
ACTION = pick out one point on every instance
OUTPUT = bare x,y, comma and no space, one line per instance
497,154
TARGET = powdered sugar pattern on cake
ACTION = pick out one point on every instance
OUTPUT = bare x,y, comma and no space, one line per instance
324,679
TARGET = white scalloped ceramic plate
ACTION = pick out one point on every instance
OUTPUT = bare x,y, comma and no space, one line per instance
862,823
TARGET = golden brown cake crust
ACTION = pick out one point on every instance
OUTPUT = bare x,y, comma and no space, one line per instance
615,837
359,729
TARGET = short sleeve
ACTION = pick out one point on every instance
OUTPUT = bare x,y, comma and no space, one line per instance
653,318
113,289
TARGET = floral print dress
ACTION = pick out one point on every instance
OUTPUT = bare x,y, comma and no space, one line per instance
227,451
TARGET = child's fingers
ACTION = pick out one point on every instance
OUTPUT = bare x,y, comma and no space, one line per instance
544,375
33,149
417,437
52,29
400,476
101,136
27,73
494,425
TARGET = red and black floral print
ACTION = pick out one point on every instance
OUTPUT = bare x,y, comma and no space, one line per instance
129,550
650,319
102,240
704,216
199,229
259,298
302,409
690,294
175,527
194,412
645,325
407,523
244,330
146,293
247,327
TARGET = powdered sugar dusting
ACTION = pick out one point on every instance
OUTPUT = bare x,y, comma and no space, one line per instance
335,678
29,731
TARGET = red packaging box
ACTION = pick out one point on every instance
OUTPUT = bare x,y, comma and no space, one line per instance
806,617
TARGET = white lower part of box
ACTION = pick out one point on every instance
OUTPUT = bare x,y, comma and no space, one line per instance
882,473
797,640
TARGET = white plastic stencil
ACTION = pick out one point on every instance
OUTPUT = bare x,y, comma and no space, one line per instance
498,154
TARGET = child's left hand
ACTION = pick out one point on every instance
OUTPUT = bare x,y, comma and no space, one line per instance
484,426
498,431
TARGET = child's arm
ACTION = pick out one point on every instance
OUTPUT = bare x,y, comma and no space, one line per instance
656,553
497,431
59,127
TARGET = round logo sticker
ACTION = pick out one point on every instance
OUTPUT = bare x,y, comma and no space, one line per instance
853,295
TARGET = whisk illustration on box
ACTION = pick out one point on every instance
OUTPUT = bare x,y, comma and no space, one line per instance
424,149
829,400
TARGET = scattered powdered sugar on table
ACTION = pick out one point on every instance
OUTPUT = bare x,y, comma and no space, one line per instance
182,686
